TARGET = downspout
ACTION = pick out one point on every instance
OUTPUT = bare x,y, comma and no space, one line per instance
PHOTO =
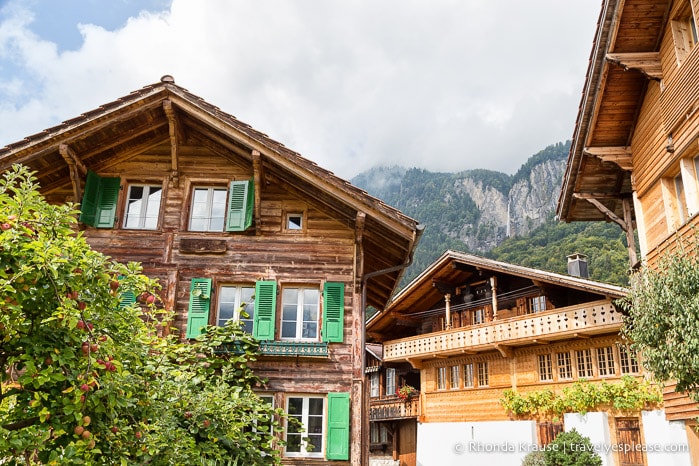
365,400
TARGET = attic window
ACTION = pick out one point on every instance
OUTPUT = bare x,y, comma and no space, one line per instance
295,222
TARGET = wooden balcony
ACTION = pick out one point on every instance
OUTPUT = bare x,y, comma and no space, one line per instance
584,320
285,348
387,409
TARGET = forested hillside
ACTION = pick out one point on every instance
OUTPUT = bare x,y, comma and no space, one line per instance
501,216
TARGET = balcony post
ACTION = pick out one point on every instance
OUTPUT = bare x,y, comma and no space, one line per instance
447,302
494,289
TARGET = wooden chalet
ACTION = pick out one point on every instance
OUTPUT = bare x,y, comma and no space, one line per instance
634,158
219,212
475,327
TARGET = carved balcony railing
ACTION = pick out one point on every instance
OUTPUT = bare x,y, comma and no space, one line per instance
584,320
394,408
286,348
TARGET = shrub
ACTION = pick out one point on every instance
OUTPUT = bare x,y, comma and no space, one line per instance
571,449
534,458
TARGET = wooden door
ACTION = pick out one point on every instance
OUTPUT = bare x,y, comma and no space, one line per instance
547,431
629,439
407,442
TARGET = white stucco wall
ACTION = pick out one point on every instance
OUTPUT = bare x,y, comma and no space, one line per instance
475,443
666,441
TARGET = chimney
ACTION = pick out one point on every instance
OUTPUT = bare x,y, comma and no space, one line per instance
577,265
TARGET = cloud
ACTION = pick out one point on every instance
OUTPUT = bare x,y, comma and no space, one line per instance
444,85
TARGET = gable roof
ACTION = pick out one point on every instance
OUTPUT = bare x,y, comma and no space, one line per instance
610,103
127,126
454,267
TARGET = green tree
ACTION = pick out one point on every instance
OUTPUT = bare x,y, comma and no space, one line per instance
90,374
663,316
571,449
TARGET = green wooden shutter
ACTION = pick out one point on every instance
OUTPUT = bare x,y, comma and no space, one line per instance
265,307
333,312
126,298
199,299
99,202
88,205
337,447
240,203
107,204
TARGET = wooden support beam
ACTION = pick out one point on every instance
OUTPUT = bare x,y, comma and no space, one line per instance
602,208
540,342
174,143
258,180
504,350
77,170
630,239
620,155
359,224
415,363
647,63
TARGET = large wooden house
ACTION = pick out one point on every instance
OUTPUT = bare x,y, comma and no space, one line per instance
219,212
634,158
473,328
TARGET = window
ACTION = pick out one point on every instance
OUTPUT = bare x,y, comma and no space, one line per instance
142,207
219,209
681,200
441,378
468,375
374,385
684,32
628,360
305,439
294,222
454,377
482,374
208,209
545,369
300,314
605,361
536,304
390,381
232,301
565,367
378,433
478,316
584,360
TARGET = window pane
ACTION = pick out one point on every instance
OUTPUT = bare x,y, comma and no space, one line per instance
315,407
152,208
288,329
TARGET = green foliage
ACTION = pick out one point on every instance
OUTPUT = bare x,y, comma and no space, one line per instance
663,316
571,449
581,397
534,458
545,248
87,380
558,151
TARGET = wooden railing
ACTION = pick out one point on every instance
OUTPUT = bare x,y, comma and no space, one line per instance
394,408
589,319
284,348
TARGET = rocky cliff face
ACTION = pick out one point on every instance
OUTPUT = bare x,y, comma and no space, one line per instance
476,208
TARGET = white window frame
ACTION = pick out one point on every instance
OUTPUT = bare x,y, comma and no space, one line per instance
145,207
469,381
479,316
209,206
300,306
390,381
605,361
441,378
545,368
304,433
374,385
565,365
583,364
240,292
628,360
454,373
483,374
295,226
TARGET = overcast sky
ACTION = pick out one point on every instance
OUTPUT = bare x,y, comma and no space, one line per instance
445,85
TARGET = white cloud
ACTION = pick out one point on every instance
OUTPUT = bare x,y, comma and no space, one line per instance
445,85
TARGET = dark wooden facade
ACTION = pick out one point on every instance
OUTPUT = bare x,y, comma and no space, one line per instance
634,154
304,231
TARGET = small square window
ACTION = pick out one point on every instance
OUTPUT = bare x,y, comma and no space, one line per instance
142,207
294,222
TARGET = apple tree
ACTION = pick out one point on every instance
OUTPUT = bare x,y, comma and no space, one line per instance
91,373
